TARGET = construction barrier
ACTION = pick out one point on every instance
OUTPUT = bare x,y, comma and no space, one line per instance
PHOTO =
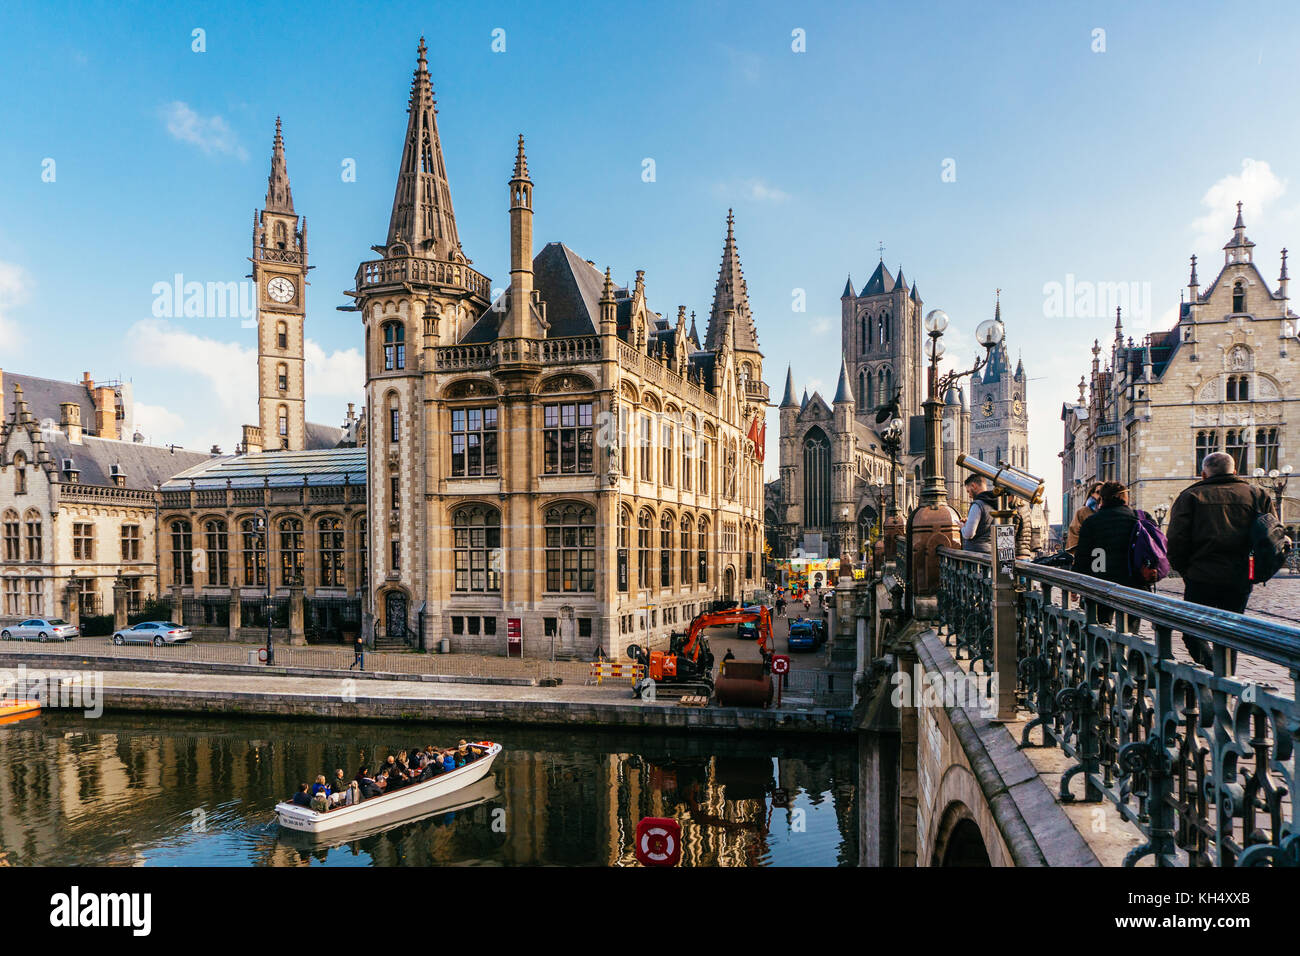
615,670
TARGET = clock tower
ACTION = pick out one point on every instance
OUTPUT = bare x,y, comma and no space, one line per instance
999,416
280,272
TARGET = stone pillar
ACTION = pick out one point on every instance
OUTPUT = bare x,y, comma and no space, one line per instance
236,611
178,604
297,633
72,603
119,604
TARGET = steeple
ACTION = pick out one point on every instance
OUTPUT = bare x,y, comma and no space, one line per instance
1283,280
423,223
694,335
848,288
521,247
999,363
1193,284
730,294
279,198
843,394
787,401
1119,329
1239,247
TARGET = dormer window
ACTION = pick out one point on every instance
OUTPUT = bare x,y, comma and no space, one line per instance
1239,297
70,471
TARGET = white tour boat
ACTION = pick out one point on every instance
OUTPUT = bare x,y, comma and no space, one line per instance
389,808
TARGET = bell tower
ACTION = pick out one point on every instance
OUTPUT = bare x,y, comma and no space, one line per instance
280,272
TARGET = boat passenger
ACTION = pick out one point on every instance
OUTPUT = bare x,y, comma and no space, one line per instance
320,786
302,798
367,785
448,760
464,754
320,801
339,789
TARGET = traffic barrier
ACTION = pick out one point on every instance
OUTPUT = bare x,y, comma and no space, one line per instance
615,670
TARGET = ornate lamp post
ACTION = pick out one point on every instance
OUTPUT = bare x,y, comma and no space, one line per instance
1275,480
264,525
1162,511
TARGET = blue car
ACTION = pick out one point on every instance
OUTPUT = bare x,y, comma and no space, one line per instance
803,636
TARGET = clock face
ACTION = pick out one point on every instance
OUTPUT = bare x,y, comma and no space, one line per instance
280,289
1018,407
987,408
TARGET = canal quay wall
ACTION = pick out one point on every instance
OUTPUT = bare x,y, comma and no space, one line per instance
142,687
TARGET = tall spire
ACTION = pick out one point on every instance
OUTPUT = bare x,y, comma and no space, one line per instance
519,322
787,400
279,198
843,393
730,294
1238,248
422,219
997,307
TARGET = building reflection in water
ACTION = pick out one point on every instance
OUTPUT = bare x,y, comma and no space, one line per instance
126,789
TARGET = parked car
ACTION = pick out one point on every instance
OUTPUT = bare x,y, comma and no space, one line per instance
156,633
803,635
40,629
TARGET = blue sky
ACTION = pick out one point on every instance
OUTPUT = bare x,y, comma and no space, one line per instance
1112,165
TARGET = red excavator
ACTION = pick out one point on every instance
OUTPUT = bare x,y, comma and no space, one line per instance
687,666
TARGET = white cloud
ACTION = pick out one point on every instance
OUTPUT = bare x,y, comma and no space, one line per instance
821,326
212,134
753,189
15,283
158,424
1256,187
341,373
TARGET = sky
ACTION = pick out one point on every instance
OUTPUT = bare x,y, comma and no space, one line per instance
1015,146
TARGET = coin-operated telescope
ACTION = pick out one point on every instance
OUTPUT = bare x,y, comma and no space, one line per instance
1007,479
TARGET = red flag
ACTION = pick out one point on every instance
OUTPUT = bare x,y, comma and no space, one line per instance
752,434
761,444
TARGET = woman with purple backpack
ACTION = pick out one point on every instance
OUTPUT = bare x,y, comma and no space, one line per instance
1110,540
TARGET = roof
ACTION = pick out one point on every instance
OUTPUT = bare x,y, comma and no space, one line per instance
569,285
879,283
788,400
278,469
44,396
322,436
143,466
842,392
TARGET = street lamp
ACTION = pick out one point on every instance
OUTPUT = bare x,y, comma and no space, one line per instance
1161,512
264,525
1276,479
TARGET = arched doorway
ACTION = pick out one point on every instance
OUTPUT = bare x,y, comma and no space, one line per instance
729,584
959,841
395,614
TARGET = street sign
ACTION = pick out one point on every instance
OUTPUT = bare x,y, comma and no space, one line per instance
658,841
780,664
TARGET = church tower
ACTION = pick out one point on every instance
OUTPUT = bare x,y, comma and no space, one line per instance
731,313
280,273
881,336
999,412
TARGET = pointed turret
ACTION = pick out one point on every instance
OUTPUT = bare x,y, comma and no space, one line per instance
1119,329
279,198
1283,280
848,288
999,363
787,400
804,401
730,294
1238,248
694,335
608,307
423,221
1194,284
521,249
843,393
879,283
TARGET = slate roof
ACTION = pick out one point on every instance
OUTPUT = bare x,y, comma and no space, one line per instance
879,283
44,396
280,469
143,465
569,286
320,436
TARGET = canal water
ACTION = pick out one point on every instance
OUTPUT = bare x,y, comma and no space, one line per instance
159,791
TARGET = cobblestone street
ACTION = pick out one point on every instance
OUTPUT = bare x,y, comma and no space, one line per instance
1278,599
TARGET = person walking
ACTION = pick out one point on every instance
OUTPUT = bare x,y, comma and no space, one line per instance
359,652
1104,544
1088,509
1209,543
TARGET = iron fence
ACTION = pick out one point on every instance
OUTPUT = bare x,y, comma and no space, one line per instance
253,611
1202,761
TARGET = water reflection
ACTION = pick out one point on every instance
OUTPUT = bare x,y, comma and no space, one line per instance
148,790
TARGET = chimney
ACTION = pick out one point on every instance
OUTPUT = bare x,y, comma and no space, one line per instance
252,440
70,421
105,411
87,381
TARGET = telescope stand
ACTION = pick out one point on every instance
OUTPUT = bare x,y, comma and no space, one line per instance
1004,609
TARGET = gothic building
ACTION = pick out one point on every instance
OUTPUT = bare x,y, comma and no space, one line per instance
1000,417
836,474
558,467
1222,379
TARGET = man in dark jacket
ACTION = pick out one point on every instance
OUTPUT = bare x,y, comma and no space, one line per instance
1209,543
1104,543
977,532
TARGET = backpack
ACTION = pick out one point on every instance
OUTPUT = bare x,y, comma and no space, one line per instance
1268,549
1148,551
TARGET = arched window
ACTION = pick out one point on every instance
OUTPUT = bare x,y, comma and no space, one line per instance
624,535
282,377
686,550
1266,448
394,346
182,551
12,536
1238,389
477,545
864,397
281,335
1239,296
880,330
817,479
666,550
291,559
329,534
253,543
644,542
283,426
363,548
702,547
1235,445
865,337
888,328
214,530
570,548
704,467
20,474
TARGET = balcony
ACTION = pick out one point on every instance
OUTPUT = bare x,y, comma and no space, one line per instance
426,272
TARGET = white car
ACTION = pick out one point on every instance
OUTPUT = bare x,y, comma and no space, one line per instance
156,633
40,629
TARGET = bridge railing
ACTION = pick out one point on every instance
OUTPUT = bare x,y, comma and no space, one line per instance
1202,761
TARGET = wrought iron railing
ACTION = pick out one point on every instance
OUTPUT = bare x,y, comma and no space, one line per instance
1202,762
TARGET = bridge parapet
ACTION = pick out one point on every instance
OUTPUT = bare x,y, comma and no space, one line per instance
1202,762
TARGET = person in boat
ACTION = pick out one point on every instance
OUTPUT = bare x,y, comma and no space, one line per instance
366,784
397,773
320,786
302,798
465,754
449,760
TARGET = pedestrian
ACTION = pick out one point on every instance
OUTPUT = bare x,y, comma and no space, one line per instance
1088,509
1104,544
359,652
977,532
1209,543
